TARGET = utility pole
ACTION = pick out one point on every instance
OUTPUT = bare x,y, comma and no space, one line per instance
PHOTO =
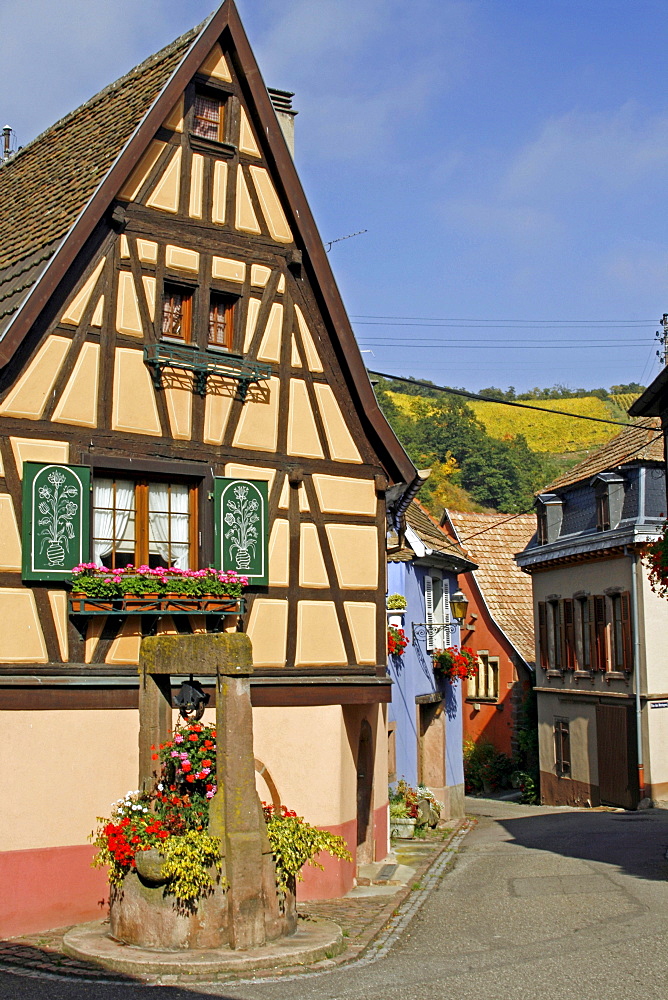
662,337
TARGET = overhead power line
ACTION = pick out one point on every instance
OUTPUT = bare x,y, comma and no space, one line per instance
504,402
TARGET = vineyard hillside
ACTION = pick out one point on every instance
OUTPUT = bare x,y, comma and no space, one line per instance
625,399
544,432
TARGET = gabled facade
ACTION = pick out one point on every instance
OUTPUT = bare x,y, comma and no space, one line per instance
600,630
498,625
170,329
425,714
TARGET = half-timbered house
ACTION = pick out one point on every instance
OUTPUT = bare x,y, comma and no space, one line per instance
170,329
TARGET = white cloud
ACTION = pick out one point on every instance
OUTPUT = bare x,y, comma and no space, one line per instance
609,151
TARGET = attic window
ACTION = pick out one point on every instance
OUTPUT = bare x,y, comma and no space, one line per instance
609,493
208,117
549,513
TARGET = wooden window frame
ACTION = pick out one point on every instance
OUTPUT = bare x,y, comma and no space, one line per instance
187,293
602,509
568,649
488,666
620,633
203,94
562,747
541,526
141,490
228,301
583,638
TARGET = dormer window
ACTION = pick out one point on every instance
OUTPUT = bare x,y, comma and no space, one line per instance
549,513
609,492
208,119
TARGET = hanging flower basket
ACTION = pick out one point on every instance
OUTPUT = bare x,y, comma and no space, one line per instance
656,557
455,664
396,640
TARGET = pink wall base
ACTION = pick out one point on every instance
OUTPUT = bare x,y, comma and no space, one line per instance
50,887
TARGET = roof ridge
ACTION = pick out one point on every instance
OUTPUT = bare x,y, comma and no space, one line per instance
153,60
591,464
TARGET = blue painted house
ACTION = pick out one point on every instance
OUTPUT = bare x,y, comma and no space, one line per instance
425,715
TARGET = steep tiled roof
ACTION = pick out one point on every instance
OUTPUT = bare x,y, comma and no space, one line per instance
641,443
430,532
492,543
47,184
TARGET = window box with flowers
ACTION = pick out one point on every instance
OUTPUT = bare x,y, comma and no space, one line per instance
145,590
455,664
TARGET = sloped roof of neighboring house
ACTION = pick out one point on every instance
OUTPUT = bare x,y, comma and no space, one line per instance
640,443
492,542
45,186
56,191
434,538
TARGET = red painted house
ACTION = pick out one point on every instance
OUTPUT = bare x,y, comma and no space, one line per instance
499,622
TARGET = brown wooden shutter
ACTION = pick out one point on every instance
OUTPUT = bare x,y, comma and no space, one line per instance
599,633
542,635
627,631
568,634
593,660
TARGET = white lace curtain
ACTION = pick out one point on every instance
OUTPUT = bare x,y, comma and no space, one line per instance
111,512
168,531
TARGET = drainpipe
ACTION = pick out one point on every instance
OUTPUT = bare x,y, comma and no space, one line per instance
635,563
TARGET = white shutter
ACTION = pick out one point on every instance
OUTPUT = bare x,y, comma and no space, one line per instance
429,611
447,618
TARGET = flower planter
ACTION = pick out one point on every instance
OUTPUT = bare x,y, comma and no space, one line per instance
141,602
83,604
396,618
404,828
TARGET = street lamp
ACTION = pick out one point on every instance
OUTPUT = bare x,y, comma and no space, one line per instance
458,606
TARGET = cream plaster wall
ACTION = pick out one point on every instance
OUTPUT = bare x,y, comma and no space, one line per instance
271,206
582,719
339,438
343,495
78,402
268,631
134,405
38,450
139,175
654,616
319,640
31,393
23,642
92,760
77,306
219,192
245,218
303,437
196,186
355,552
258,424
322,788
655,724
10,540
165,196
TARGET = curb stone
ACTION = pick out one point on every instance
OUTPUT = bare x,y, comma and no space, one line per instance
24,957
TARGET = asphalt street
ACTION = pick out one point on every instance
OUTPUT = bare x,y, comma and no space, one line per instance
541,902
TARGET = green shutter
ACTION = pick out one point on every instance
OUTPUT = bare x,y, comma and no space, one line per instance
56,520
242,528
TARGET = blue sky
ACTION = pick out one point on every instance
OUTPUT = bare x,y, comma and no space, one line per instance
509,159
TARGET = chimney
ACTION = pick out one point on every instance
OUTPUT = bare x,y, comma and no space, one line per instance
282,101
7,142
